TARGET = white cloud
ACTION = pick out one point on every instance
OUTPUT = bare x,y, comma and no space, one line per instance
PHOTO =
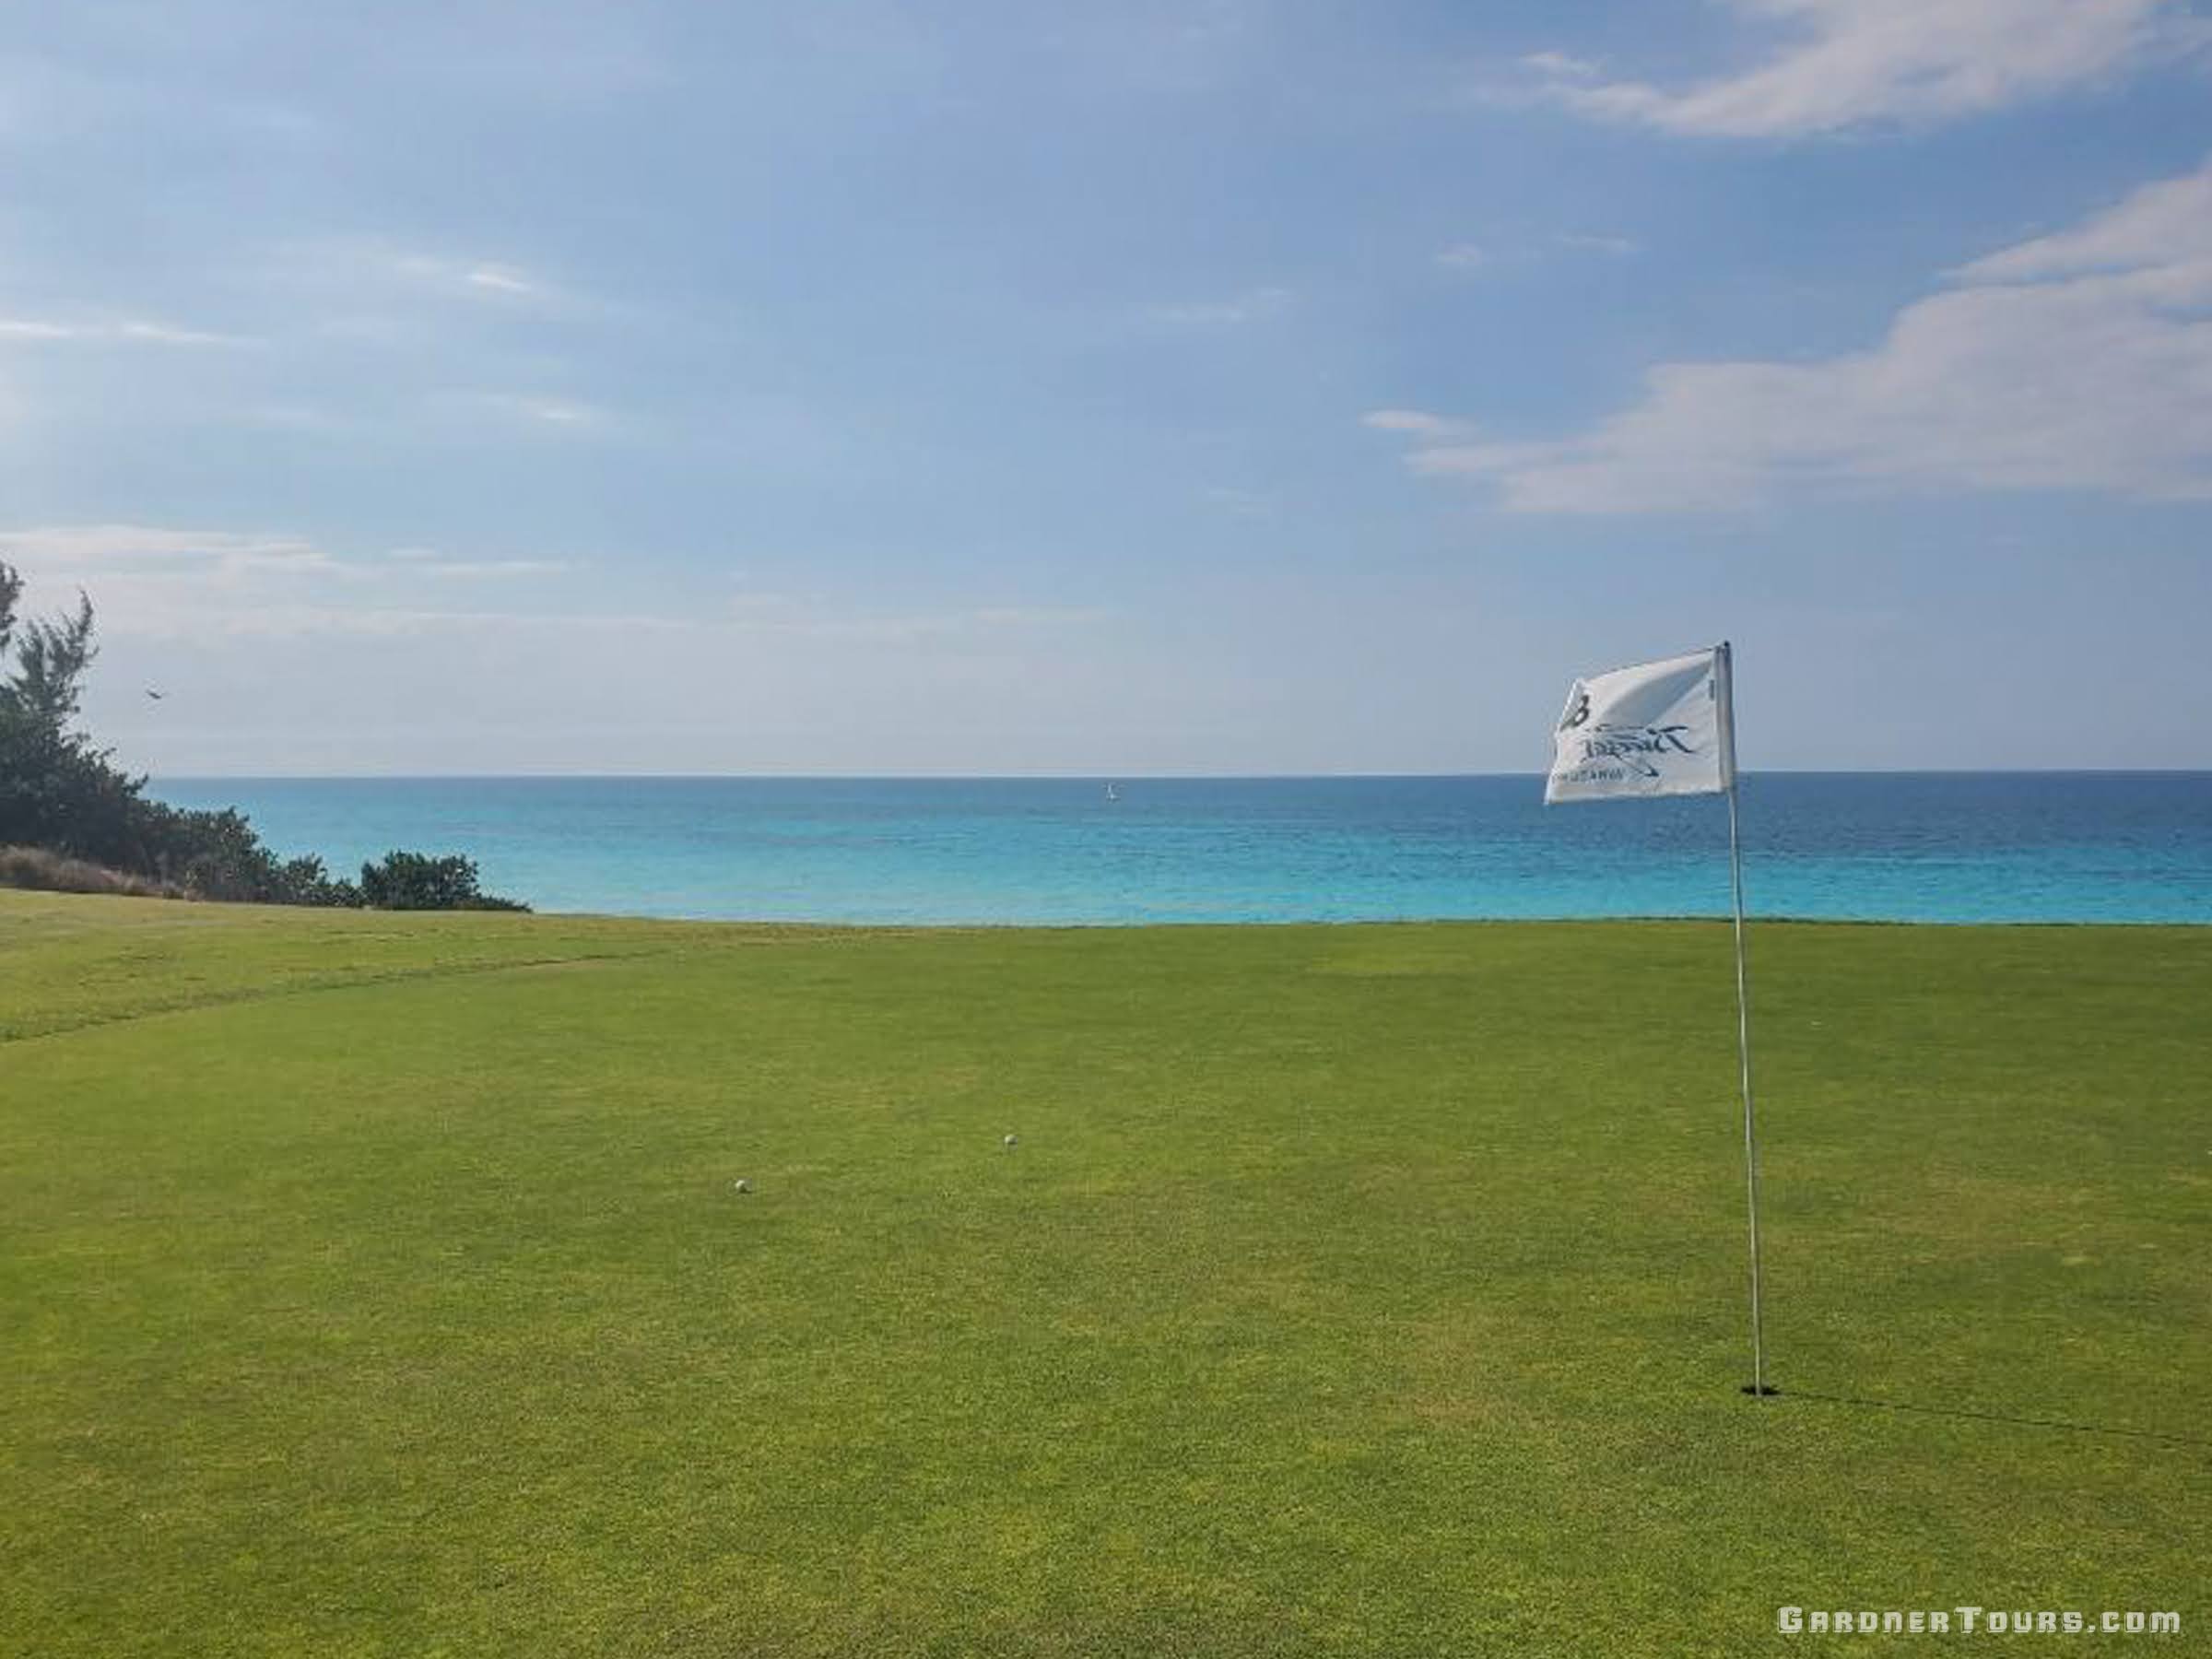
151,582
805,616
552,410
2164,224
1433,429
1252,306
429,561
2081,361
1854,63
1039,616
87,544
500,280
1618,247
157,581
529,408
1479,256
480,569
128,331
368,269
1560,65
456,276
166,334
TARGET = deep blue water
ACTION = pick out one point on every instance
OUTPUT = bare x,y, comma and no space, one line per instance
1947,847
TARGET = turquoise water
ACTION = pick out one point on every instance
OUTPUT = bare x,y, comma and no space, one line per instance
1947,847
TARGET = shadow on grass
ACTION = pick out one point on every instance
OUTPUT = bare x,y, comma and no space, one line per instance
1999,1417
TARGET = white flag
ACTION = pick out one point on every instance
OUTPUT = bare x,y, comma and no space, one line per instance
1657,729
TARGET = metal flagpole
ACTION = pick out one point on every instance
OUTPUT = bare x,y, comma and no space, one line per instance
1757,1387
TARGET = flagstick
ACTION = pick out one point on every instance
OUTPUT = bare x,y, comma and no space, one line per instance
1759,1388
1665,696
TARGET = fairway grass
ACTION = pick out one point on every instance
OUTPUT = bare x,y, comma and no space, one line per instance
378,1285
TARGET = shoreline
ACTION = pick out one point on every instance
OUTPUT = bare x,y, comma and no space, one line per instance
11,895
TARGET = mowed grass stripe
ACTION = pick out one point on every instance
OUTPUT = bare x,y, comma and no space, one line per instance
1350,1291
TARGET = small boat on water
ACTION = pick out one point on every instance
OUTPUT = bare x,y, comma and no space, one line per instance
1112,793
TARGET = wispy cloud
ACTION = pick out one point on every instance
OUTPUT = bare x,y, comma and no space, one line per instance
1561,66
556,411
1039,616
150,582
532,410
2081,361
494,570
460,278
1467,257
128,331
1617,247
428,561
2167,225
155,580
1253,305
78,546
807,617
1430,428
1845,63
377,268
500,280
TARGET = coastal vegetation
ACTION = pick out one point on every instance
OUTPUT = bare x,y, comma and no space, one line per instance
71,820
380,1283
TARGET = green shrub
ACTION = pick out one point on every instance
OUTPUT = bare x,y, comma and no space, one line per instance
411,881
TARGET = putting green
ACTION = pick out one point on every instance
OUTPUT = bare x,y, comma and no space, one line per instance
378,1285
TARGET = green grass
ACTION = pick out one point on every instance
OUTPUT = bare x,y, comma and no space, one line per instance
374,1284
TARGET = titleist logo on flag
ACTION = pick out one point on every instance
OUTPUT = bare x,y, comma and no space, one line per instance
1656,729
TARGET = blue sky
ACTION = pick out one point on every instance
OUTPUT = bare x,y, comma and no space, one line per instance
1229,386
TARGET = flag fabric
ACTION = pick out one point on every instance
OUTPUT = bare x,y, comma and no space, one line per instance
1656,729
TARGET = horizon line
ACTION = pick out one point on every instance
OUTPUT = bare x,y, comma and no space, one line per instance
1120,777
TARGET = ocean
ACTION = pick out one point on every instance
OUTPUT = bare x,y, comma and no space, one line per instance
1862,846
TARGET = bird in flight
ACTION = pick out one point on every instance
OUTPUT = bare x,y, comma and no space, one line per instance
154,694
